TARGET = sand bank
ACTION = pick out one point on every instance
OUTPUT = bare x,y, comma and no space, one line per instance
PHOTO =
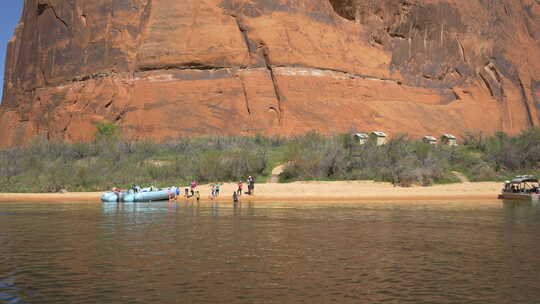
308,191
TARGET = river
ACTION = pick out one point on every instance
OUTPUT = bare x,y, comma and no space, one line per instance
365,252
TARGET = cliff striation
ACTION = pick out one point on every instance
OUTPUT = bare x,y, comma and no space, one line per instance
167,68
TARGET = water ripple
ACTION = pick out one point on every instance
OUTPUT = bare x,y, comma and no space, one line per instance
364,253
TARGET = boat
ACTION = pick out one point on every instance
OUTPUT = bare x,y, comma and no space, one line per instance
118,196
148,195
523,187
111,197
138,195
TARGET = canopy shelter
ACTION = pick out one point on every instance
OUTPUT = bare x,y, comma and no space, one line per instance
361,137
379,137
429,140
524,179
449,139
522,184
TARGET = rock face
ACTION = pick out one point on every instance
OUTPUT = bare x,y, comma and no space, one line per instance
168,68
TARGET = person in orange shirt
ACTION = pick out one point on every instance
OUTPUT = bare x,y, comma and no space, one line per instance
239,191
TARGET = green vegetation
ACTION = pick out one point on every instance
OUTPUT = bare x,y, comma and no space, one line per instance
107,131
50,167
44,166
406,162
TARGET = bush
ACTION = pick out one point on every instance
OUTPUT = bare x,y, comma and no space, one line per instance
50,166
107,131
405,162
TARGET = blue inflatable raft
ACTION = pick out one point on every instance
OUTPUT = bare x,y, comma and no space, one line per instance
142,195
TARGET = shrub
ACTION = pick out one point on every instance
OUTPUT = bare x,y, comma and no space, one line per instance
50,166
107,131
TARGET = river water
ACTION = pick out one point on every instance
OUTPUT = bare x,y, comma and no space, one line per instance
379,252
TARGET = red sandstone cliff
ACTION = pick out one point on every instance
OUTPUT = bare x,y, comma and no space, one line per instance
165,68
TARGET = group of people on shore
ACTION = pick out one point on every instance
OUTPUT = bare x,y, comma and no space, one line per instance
250,185
189,191
215,189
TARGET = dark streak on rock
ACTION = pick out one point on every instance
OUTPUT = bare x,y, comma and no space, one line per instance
42,7
143,24
488,84
242,32
525,100
181,66
244,91
121,115
462,49
418,47
456,95
535,90
491,77
43,75
268,64
197,71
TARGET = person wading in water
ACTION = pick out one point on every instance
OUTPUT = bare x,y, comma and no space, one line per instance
235,198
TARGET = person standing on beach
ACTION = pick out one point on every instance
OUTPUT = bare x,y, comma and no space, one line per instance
193,186
251,185
217,189
240,186
213,191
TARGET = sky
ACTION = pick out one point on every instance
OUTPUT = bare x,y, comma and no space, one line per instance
10,12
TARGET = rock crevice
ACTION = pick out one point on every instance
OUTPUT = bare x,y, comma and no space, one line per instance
42,7
526,105
275,83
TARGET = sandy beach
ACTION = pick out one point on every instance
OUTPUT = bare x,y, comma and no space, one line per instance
307,191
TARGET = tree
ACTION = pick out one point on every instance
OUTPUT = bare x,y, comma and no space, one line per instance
107,131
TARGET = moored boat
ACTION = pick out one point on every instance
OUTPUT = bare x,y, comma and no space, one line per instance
154,195
139,195
111,197
521,188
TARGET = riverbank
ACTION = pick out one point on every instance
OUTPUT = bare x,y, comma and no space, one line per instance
307,191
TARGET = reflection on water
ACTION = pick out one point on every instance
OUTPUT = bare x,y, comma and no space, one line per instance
521,211
395,252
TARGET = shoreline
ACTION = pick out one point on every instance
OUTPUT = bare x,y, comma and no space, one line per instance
305,191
